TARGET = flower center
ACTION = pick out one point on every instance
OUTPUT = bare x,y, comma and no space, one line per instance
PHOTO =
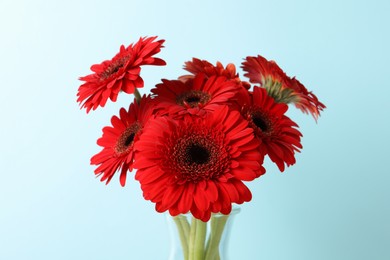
114,67
198,156
129,139
261,122
126,139
192,98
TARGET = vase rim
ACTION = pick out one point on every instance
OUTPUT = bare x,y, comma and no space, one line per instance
235,210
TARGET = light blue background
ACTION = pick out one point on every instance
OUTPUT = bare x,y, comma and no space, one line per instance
333,204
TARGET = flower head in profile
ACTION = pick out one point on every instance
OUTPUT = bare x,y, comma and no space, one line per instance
198,165
203,66
278,134
118,140
121,73
281,87
196,95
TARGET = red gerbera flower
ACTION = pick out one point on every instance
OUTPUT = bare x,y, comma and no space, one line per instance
281,87
121,73
118,140
195,96
198,165
203,66
280,140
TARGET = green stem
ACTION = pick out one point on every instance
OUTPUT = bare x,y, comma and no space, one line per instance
217,227
137,95
201,228
183,228
197,239
186,226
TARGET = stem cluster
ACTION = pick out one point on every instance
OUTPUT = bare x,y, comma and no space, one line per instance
196,242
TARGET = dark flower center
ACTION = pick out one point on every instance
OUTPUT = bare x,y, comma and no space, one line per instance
260,123
192,98
114,67
126,139
129,139
197,154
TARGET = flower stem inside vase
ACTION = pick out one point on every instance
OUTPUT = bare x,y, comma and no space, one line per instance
183,227
197,238
200,240
216,228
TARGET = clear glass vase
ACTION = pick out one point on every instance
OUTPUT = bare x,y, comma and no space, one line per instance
193,239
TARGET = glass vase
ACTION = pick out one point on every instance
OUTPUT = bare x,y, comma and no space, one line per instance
193,239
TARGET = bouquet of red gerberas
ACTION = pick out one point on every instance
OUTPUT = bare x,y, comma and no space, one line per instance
195,140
